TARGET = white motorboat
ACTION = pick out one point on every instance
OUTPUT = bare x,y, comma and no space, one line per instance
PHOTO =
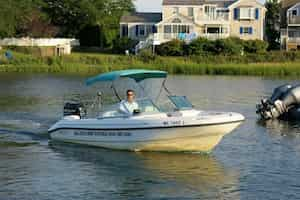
150,127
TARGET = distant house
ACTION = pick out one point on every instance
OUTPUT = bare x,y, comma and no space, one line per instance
189,19
46,46
290,34
285,5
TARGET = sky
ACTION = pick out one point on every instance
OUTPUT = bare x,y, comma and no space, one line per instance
153,5
148,5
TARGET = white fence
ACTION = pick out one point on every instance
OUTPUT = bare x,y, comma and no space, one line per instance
63,45
38,42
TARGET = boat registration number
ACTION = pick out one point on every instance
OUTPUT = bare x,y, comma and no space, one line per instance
179,122
101,133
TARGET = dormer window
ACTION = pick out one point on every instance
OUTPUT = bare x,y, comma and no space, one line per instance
190,11
247,13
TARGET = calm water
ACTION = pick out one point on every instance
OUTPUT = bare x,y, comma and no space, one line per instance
257,161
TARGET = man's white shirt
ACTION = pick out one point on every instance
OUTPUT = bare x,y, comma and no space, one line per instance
127,107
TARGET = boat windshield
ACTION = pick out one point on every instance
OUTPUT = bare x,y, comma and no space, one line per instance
181,102
145,106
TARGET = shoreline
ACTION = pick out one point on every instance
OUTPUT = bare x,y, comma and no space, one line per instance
93,63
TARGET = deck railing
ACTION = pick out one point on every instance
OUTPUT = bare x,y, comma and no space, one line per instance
216,17
294,20
294,40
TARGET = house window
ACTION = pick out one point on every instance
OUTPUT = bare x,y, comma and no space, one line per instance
190,11
222,13
210,11
183,29
176,10
175,29
167,29
294,12
141,30
149,29
124,30
206,9
246,30
246,13
213,30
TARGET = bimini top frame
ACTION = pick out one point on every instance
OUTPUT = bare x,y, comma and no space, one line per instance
137,75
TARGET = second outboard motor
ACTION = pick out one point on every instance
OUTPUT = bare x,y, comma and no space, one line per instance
283,103
280,91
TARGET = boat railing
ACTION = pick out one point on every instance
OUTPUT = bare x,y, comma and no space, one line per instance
90,106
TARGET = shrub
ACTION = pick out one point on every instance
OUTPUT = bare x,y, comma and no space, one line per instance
198,46
255,46
146,55
120,45
228,46
171,48
33,50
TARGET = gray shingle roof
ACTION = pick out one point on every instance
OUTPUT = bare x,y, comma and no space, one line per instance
141,17
224,3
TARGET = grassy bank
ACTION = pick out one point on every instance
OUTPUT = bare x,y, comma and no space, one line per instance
271,64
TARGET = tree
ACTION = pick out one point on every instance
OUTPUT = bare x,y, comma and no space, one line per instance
63,18
273,23
9,14
69,15
74,16
15,15
109,21
36,25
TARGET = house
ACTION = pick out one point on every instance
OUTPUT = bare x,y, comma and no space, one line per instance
285,5
45,46
290,34
189,19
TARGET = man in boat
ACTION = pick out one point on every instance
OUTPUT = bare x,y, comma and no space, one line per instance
129,105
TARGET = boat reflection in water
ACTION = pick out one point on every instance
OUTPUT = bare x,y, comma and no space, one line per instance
154,174
278,127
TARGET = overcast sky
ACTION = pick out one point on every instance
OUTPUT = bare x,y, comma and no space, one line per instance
148,5
153,5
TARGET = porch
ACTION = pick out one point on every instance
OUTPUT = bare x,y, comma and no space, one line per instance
290,38
189,32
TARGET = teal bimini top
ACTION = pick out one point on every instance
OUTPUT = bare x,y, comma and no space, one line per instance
136,74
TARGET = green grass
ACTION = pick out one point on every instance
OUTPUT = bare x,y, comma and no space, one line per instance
271,64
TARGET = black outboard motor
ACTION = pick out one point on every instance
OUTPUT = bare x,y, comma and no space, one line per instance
283,103
74,108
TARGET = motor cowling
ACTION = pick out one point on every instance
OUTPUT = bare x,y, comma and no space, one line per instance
280,91
282,104
74,109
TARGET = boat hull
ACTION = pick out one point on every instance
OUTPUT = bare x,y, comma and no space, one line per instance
180,138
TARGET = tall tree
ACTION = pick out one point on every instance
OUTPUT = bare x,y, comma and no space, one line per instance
9,15
36,24
109,21
72,16
35,18
20,17
273,23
